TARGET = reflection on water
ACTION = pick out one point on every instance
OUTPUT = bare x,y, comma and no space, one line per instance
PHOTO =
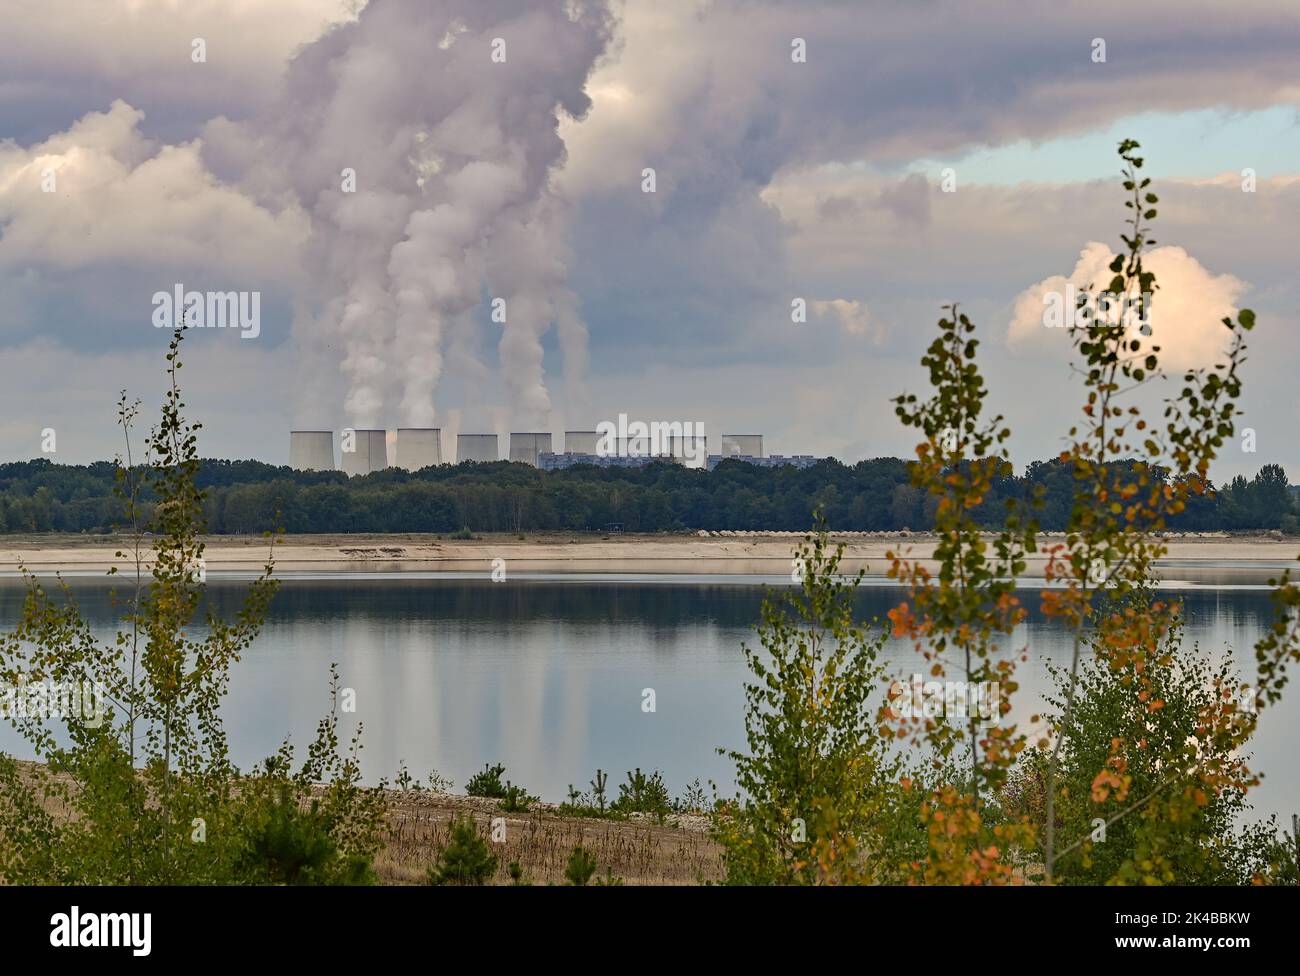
546,674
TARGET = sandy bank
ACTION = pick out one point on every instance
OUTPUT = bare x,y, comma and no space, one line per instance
1251,558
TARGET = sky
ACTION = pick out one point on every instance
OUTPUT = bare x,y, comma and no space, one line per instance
445,210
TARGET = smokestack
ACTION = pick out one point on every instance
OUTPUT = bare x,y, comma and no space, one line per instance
526,447
370,452
418,447
477,447
742,445
581,442
311,450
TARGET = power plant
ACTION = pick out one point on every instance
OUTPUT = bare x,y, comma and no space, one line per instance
369,451
526,448
581,442
581,447
695,446
311,450
477,447
418,447
742,445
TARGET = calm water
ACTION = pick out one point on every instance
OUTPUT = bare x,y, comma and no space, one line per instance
546,674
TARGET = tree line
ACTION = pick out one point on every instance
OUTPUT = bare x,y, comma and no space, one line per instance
871,495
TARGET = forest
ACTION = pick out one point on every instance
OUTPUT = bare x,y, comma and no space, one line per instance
871,495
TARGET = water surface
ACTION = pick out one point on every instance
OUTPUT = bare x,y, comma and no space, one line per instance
548,674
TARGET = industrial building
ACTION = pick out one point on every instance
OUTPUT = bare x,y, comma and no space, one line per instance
421,447
311,450
691,448
477,447
526,447
742,445
633,447
369,453
581,442
775,461
558,462
418,447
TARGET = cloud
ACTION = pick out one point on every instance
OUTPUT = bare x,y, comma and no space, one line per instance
909,199
61,61
707,94
101,193
1186,315
775,179
691,83
852,316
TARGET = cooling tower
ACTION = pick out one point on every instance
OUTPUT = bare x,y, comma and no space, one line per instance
477,447
581,442
638,447
693,449
418,447
526,447
370,452
742,445
311,450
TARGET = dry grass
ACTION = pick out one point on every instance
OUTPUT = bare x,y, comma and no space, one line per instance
637,851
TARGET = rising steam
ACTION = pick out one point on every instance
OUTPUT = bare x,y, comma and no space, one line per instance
453,153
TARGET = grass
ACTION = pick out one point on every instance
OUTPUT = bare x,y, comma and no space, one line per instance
634,848
541,842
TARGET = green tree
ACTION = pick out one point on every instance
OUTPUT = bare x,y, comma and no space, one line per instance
580,867
135,785
1270,496
814,799
1101,831
466,859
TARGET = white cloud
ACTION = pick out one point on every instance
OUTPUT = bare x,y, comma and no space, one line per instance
1186,314
852,316
119,199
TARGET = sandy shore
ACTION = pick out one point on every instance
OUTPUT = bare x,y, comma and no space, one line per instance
1211,559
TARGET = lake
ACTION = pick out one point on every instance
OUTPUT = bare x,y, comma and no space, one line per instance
546,674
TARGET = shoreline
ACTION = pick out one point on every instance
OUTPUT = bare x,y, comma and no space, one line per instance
1225,558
